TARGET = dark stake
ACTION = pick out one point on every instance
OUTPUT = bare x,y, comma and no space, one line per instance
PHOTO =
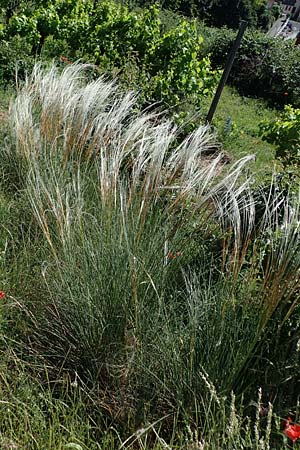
226,71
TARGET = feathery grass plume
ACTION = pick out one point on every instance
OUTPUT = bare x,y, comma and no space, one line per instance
57,113
281,280
268,267
125,210
109,188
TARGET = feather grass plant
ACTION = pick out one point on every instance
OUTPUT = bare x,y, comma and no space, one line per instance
125,208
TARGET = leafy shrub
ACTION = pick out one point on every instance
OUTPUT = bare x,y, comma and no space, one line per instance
285,134
167,62
117,32
220,12
165,65
15,57
176,70
264,67
23,26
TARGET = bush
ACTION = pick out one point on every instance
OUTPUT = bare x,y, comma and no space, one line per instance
220,12
166,66
285,134
166,63
175,69
16,59
264,67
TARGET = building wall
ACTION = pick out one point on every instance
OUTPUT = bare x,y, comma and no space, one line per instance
291,7
288,6
297,10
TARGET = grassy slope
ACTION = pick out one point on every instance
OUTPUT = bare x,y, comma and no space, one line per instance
243,139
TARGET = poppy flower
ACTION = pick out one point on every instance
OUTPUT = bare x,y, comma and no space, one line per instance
172,255
2,294
65,60
292,431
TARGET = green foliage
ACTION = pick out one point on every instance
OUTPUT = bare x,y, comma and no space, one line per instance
167,62
175,68
23,26
284,132
166,65
264,67
116,34
74,25
15,58
35,414
220,12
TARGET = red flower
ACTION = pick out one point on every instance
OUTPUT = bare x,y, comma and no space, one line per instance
291,431
2,294
65,60
172,255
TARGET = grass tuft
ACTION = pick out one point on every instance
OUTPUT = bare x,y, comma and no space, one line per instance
155,274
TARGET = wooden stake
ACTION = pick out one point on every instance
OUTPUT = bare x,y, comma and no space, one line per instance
226,71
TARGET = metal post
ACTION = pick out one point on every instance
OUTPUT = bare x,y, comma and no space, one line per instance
226,71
